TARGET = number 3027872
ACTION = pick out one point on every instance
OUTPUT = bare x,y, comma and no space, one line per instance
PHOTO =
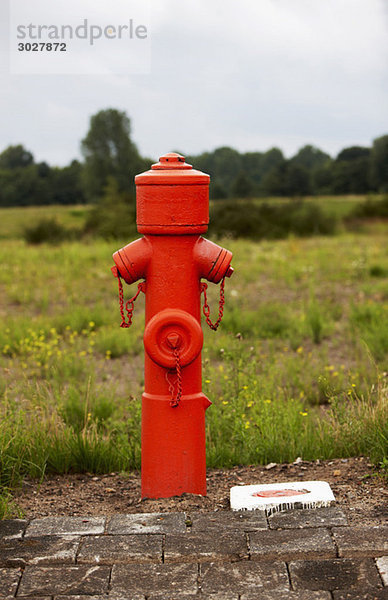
42,47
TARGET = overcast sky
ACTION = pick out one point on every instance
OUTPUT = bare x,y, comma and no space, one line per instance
250,74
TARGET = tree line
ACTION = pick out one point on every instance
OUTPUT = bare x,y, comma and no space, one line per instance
110,158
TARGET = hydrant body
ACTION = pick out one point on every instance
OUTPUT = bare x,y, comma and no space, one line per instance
172,257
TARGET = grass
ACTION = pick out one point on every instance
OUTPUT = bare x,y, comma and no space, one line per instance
298,367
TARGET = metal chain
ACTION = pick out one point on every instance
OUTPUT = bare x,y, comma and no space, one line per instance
206,307
129,305
175,401
175,398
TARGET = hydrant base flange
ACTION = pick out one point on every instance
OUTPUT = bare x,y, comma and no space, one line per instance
179,466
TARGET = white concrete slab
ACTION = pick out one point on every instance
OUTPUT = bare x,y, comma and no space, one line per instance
382,565
271,497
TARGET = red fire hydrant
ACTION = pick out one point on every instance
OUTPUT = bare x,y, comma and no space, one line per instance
172,257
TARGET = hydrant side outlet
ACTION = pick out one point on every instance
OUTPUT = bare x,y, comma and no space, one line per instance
172,257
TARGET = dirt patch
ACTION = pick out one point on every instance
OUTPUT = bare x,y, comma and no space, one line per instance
358,489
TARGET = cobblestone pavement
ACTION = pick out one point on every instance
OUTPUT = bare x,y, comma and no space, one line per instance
295,555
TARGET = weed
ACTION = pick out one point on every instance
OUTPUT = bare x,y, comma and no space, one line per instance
314,320
370,323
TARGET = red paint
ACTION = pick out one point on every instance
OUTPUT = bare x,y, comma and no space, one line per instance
279,493
172,257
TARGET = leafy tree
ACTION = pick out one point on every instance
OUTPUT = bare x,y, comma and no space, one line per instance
310,157
22,186
322,179
242,186
252,162
226,165
351,171
273,181
15,157
297,180
271,159
109,152
287,179
66,184
44,170
379,164
217,191
223,166
353,153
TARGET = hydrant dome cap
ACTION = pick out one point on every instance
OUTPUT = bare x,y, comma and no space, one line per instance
171,160
172,170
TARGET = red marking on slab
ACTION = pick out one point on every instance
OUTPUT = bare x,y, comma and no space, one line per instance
280,493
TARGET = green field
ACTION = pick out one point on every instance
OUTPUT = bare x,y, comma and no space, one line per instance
297,368
13,221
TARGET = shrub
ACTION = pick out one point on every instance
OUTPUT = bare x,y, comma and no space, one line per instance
372,208
49,231
269,221
114,215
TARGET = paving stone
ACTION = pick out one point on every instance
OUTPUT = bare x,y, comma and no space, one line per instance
291,544
252,520
302,595
244,577
200,547
336,574
153,579
361,541
330,516
66,526
178,596
46,550
9,579
64,580
361,595
109,549
12,528
147,523
127,596
382,565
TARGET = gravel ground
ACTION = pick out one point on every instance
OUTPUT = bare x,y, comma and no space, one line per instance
358,488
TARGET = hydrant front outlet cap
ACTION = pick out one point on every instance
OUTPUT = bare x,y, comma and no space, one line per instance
173,328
